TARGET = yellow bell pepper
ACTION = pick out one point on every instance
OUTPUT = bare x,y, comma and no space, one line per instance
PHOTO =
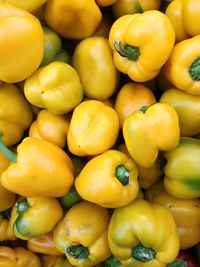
43,244
137,48
187,107
55,87
109,180
142,234
50,127
93,58
26,5
12,106
105,2
131,97
93,128
18,257
19,57
40,169
149,130
32,217
83,234
73,19
186,213
124,7
184,62
62,262
6,230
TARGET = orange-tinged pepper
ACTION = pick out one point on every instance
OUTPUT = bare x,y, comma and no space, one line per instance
6,229
109,180
48,260
19,57
93,128
18,257
26,5
50,127
131,97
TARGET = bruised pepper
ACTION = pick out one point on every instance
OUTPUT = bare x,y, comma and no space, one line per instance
137,48
29,175
143,137
143,234
83,234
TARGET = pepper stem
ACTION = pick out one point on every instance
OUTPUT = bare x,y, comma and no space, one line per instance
129,51
9,154
77,252
22,206
112,262
143,109
122,174
178,263
194,70
143,254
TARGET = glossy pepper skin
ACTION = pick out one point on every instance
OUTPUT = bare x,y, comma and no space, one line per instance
29,173
181,170
142,137
184,62
6,230
124,7
109,180
137,49
131,97
85,12
83,234
26,5
18,257
50,127
187,107
55,87
62,262
105,2
143,234
19,57
53,47
186,213
93,58
12,105
48,261
32,217
43,244
92,121
183,259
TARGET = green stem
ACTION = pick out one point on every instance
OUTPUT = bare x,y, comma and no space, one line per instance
22,206
6,214
129,51
9,154
77,252
194,70
112,262
143,254
122,174
178,263
143,109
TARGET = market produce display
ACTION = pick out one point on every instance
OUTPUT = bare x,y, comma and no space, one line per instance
99,133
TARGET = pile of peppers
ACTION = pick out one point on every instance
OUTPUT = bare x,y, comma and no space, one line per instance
99,133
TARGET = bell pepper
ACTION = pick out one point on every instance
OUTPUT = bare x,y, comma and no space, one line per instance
183,260
62,262
55,87
137,48
144,139
48,261
43,244
18,257
93,128
181,170
12,106
53,48
93,58
19,57
26,5
186,213
82,235
112,262
71,198
124,7
109,180
32,217
6,230
50,127
40,169
187,107
143,234
73,19
184,62
105,2
131,97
